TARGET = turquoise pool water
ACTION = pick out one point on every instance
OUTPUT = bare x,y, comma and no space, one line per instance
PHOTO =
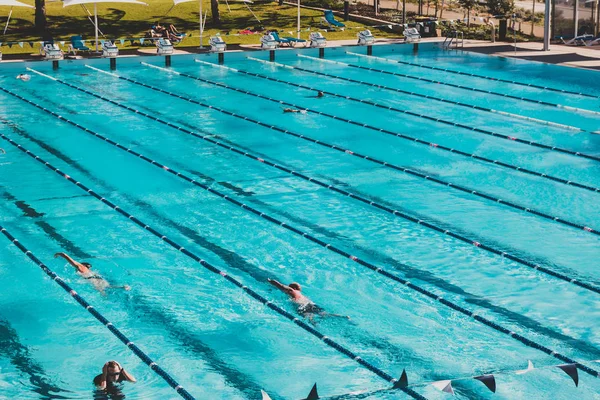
216,340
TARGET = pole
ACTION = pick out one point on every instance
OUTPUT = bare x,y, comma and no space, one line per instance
7,21
96,23
576,17
200,13
404,11
298,32
547,26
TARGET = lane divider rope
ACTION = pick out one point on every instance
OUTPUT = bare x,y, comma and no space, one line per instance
541,102
424,96
451,71
109,325
255,295
380,130
389,210
446,122
464,189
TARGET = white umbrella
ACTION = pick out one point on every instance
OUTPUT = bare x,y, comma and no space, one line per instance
11,4
77,2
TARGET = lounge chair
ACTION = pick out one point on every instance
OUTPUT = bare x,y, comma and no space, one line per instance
587,43
109,49
164,47
365,37
77,44
317,40
411,35
330,21
217,44
578,40
268,42
290,41
51,51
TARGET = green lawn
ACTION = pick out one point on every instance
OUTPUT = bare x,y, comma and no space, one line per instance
132,21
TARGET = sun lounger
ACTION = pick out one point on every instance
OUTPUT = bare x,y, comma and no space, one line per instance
77,44
217,44
365,37
51,51
578,40
109,49
330,21
290,41
411,35
164,47
593,42
268,42
317,40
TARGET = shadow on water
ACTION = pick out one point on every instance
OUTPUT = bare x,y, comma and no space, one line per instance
19,355
234,259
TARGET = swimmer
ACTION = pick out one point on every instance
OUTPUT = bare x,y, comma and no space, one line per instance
2,151
24,77
306,307
319,95
112,373
293,110
84,269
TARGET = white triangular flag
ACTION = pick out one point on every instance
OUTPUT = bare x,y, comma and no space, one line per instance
530,367
141,41
21,44
444,386
389,26
265,396
122,41
62,42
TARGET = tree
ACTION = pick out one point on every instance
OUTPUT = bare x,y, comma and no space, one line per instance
214,9
500,8
468,5
40,16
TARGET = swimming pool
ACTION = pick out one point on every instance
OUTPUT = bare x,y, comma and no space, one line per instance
452,217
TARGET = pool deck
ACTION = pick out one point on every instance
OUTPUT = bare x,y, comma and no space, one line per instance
578,57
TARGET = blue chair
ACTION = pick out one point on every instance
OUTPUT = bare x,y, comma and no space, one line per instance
77,44
290,41
330,20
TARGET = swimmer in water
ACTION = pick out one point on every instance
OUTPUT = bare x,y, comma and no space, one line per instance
24,77
112,373
84,269
319,95
306,307
293,110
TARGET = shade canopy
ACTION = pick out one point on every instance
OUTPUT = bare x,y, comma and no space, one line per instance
14,3
67,3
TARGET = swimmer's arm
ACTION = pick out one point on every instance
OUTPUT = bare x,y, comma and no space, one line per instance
100,380
128,376
68,258
280,286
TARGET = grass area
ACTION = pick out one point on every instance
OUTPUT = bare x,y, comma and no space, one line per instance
132,21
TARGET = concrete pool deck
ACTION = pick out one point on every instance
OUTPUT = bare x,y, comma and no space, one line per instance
571,56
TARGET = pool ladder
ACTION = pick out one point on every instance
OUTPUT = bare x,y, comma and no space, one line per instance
454,40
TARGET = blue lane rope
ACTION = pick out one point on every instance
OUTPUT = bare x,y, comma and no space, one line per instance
394,212
380,130
327,246
424,96
389,210
569,108
450,123
329,342
109,325
347,151
451,71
